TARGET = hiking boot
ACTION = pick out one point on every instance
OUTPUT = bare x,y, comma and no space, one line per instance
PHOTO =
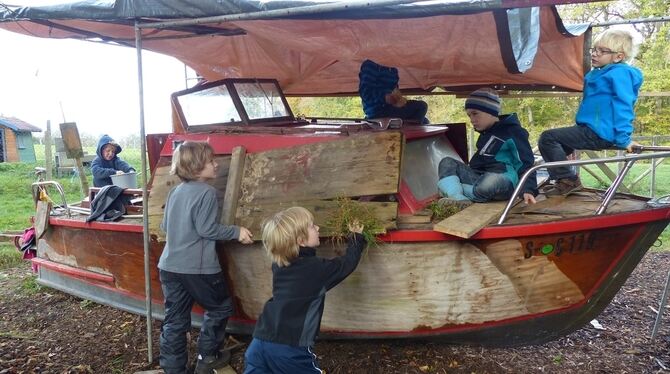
458,205
563,187
208,364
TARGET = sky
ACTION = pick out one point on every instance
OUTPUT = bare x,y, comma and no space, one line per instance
96,85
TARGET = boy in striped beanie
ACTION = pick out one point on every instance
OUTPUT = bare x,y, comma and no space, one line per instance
502,157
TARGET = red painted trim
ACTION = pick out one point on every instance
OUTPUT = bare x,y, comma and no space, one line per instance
103,226
73,271
539,228
407,204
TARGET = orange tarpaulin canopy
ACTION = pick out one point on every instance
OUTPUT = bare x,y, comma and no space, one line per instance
319,55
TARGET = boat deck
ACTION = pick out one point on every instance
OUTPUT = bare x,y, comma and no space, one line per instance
578,204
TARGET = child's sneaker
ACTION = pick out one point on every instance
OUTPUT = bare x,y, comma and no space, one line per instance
563,187
458,205
208,364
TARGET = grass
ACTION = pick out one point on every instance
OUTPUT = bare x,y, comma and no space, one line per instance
348,212
30,286
9,256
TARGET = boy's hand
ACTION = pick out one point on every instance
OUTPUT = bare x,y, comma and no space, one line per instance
245,236
119,172
356,227
629,147
395,98
528,198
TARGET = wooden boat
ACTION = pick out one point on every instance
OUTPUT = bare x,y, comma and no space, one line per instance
542,272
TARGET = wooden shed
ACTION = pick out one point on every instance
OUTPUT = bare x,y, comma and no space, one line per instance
16,140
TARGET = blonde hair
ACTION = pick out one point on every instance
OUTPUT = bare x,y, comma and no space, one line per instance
190,158
617,40
283,231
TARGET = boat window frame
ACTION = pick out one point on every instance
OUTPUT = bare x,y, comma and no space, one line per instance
229,83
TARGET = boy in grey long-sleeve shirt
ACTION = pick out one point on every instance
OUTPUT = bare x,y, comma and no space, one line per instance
189,265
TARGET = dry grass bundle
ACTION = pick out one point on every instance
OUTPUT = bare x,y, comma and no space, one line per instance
349,211
441,211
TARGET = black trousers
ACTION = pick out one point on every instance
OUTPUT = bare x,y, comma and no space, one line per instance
180,292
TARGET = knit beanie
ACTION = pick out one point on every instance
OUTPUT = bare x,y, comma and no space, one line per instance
485,100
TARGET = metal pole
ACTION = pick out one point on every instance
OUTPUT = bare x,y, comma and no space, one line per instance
652,182
145,194
321,8
631,21
661,308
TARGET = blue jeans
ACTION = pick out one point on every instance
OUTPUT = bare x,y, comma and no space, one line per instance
266,357
180,292
486,186
557,144
413,110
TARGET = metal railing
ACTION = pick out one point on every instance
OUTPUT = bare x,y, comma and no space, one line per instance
37,186
627,160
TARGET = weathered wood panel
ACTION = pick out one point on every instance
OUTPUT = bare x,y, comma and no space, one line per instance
353,166
401,287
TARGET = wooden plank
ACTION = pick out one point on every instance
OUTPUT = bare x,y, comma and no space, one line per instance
73,148
82,177
42,218
71,139
235,172
347,167
470,220
253,217
413,218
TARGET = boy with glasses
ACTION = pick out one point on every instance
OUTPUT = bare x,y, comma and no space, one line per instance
605,116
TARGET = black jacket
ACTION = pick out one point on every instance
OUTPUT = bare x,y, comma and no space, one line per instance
488,145
293,315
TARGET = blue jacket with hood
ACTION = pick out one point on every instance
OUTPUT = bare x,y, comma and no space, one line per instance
102,169
608,102
504,148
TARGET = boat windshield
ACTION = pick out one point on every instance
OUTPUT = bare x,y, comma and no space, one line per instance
261,99
209,106
232,102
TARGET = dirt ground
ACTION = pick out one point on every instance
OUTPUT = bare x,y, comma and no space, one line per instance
46,331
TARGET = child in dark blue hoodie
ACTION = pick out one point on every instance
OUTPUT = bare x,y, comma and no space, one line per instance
502,157
107,163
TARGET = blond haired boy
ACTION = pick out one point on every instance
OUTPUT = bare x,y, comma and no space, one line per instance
605,115
287,328
189,266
